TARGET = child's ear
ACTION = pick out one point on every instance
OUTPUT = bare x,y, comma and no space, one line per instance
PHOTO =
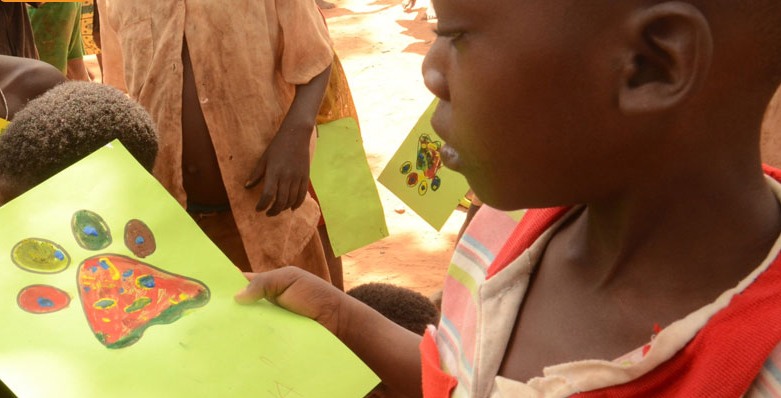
667,58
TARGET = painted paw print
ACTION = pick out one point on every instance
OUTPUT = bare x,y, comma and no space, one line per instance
121,296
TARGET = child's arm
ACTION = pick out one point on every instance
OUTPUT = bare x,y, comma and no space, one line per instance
387,348
285,164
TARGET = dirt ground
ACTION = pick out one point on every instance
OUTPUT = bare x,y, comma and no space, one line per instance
382,47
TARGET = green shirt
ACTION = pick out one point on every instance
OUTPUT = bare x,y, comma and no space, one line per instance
57,31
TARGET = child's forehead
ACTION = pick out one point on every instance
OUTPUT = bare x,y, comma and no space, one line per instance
517,13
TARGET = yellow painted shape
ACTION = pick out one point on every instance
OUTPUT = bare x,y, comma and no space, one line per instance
111,268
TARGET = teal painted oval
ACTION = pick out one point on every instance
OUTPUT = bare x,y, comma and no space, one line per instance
90,231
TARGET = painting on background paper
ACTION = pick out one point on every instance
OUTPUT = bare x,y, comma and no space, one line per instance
416,175
114,274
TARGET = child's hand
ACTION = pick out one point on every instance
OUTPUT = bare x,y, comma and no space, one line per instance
390,350
285,168
285,164
298,291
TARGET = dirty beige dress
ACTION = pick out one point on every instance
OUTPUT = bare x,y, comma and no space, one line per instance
247,57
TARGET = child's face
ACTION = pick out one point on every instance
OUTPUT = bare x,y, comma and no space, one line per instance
526,103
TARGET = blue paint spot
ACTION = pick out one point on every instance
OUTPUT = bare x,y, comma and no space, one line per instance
90,230
86,289
59,255
146,281
93,268
139,240
45,303
121,290
103,264
104,303
127,273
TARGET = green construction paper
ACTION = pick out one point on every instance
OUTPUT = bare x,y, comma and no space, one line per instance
434,206
345,188
516,215
221,349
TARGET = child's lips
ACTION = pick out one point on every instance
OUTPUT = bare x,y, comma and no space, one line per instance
439,120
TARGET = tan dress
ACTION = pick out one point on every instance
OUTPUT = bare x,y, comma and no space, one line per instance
247,57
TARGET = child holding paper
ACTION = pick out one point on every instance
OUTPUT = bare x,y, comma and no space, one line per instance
67,123
631,129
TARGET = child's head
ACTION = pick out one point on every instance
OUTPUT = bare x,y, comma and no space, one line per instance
65,124
405,307
557,102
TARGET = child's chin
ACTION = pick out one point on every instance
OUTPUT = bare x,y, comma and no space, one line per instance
450,158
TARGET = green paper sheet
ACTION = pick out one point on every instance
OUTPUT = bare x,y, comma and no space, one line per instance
220,349
516,215
416,176
3,124
345,188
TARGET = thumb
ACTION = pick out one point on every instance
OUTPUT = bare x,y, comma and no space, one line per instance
297,291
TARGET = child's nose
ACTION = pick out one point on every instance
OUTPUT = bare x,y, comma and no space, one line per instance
434,71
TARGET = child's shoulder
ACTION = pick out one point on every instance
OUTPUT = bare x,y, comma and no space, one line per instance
28,78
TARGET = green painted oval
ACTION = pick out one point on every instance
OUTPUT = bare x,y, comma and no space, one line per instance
90,231
40,256
137,305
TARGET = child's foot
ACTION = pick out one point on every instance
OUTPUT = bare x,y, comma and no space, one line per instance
430,15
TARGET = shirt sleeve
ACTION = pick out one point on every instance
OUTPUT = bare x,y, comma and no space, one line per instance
304,41
76,45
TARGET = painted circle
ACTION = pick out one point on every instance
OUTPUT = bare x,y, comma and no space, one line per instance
90,230
42,299
423,188
435,183
405,167
40,256
139,238
412,179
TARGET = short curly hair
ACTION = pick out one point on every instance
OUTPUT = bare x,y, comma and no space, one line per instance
67,123
405,307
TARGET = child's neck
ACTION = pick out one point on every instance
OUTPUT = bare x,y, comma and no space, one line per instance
618,267
698,226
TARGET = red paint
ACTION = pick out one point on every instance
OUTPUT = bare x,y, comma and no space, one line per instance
42,299
122,296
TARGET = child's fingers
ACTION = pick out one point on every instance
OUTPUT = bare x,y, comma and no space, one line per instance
250,275
257,174
281,202
303,187
298,291
262,286
269,193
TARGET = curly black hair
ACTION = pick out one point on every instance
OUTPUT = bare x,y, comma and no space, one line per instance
67,123
405,307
